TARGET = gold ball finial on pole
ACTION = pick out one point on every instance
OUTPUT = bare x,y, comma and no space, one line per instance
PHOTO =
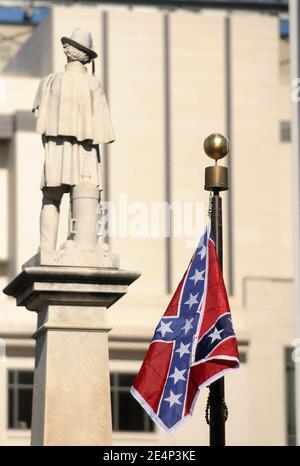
216,147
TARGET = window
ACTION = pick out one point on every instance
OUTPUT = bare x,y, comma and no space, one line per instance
20,389
290,397
285,131
127,414
284,28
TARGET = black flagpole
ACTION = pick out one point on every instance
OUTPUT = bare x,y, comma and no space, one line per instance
216,146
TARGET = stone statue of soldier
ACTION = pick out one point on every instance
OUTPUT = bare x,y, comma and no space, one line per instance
73,118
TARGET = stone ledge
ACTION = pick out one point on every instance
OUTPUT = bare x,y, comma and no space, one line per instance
37,287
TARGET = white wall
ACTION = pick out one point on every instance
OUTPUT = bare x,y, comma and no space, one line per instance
35,56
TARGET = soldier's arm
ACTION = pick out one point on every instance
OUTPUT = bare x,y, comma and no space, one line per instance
39,93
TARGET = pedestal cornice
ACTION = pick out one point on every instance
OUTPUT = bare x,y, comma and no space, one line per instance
37,287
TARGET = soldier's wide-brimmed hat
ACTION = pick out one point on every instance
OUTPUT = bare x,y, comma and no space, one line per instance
82,40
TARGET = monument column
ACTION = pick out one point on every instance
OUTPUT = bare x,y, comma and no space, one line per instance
71,288
71,400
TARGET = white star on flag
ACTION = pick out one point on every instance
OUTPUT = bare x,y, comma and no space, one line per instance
187,326
173,399
202,252
165,328
197,276
184,349
215,335
192,300
178,375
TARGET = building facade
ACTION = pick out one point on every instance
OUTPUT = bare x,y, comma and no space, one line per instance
171,77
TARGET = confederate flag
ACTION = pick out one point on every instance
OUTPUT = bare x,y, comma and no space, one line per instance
193,345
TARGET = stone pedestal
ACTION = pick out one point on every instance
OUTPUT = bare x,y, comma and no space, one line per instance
71,400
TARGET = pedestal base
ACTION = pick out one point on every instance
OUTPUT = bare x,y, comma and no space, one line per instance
71,382
71,400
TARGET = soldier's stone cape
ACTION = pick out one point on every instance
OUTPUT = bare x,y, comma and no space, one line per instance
72,103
